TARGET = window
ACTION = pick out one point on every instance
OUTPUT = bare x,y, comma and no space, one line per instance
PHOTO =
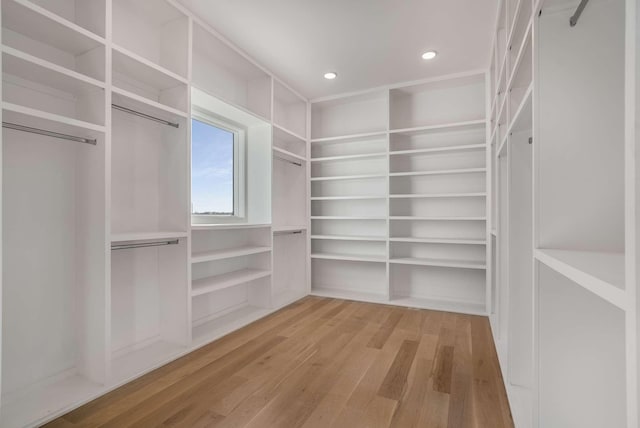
216,171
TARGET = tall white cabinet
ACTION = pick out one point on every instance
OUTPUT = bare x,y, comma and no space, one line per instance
104,277
564,218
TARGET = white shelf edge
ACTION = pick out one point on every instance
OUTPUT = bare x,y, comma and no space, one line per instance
291,228
287,131
337,293
466,147
450,241
587,280
215,283
202,227
348,137
288,155
28,111
349,238
209,256
351,258
144,236
440,304
52,66
346,198
437,195
519,55
411,218
330,217
456,264
441,172
348,177
468,123
526,99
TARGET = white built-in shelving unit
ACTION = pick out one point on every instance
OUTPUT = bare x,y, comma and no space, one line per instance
563,266
104,276
398,195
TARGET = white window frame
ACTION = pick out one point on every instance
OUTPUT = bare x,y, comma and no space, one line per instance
239,170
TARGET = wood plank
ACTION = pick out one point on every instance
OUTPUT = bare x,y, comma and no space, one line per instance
395,381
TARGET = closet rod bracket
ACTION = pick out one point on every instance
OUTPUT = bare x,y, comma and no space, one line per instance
145,116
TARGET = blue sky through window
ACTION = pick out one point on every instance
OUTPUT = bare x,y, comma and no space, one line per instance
211,169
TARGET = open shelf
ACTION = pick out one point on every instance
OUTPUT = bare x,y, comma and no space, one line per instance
339,293
336,217
349,157
349,177
353,115
440,241
156,31
287,155
224,324
53,122
442,172
147,236
208,256
472,308
600,273
289,110
289,228
231,279
350,238
130,365
240,226
346,198
289,142
455,126
438,150
438,262
135,74
441,195
416,218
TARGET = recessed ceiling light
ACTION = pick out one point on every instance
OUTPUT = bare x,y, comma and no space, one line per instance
429,55
330,75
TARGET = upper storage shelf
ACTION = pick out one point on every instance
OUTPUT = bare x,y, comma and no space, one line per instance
289,110
353,115
438,103
154,30
220,70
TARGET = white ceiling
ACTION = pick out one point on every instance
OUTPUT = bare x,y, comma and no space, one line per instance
367,42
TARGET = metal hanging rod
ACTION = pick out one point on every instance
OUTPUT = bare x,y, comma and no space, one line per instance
23,128
288,161
574,19
144,244
144,115
284,232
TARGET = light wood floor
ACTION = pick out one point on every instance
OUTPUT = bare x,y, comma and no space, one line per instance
322,363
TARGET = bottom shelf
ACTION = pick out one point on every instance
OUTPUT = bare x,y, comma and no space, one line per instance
224,324
40,402
338,293
471,308
142,360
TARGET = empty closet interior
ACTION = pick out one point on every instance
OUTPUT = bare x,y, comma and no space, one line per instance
508,191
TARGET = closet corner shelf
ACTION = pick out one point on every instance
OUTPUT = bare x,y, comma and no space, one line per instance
287,155
349,238
230,226
146,236
349,257
209,256
219,282
439,263
466,147
439,172
438,195
60,32
602,273
348,137
445,126
339,293
289,132
350,157
31,65
158,69
33,117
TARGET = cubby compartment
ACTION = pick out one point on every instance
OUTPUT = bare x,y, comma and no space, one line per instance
358,114
522,79
221,71
435,287
289,110
438,103
289,267
347,229
441,138
453,182
139,79
353,207
149,318
365,164
150,174
34,86
519,32
155,31
501,38
54,32
438,229
349,147
581,355
289,192
581,105
349,279
374,186
457,206
210,245
439,254
419,161
54,268
354,249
